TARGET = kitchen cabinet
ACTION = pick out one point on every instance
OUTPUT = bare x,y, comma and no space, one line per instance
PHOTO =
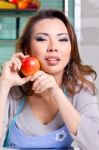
11,23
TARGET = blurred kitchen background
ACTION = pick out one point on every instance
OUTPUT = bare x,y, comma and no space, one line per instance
83,14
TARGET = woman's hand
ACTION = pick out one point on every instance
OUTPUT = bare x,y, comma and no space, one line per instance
43,82
10,70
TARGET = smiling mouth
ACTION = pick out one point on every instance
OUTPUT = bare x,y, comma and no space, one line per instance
52,61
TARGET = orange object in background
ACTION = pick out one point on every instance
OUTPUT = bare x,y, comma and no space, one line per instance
28,1
31,4
22,4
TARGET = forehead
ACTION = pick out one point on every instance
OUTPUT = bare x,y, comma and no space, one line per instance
52,24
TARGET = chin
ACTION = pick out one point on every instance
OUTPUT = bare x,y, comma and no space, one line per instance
52,71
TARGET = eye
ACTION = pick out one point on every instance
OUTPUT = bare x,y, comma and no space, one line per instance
40,39
63,39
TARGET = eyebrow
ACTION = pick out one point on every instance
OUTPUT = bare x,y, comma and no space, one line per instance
46,34
62,34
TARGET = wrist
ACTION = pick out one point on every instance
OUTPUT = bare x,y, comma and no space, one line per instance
5,82
56,91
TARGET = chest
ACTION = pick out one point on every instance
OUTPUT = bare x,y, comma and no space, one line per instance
32,124
44,111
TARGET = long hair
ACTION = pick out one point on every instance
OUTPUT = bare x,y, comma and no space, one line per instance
75,73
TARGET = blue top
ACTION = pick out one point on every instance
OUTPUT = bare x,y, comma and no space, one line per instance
16,138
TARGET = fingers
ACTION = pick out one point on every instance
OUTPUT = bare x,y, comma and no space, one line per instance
20,55
42,82
15,63
16,60
10,70
37,75
42,86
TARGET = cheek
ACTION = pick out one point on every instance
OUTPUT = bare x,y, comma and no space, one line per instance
35,52
35,49
67,51
38,48
66,54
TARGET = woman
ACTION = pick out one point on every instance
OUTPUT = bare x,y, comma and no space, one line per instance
57,105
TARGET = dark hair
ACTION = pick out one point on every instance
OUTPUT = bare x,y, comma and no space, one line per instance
75,72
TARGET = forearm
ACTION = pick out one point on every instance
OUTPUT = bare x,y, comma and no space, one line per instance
87,132
69,114
4,90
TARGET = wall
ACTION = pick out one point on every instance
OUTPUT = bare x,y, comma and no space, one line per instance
90,34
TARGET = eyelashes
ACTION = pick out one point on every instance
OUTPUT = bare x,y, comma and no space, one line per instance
61,40
64,40
40,39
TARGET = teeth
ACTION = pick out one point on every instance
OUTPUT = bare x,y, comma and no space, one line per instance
52,59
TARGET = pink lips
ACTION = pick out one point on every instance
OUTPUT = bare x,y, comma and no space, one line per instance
52,60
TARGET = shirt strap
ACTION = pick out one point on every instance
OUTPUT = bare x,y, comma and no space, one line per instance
22,102
64,90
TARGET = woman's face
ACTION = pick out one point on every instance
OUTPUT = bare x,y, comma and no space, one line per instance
51,44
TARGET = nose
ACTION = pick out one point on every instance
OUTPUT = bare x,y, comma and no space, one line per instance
51,50
52,47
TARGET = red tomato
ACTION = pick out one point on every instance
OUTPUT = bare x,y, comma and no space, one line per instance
13,1
30,65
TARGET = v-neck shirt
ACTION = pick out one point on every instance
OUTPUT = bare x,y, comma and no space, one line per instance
31,125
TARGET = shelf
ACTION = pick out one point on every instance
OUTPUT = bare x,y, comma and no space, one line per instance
8,40
17,12
6,15
10,18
